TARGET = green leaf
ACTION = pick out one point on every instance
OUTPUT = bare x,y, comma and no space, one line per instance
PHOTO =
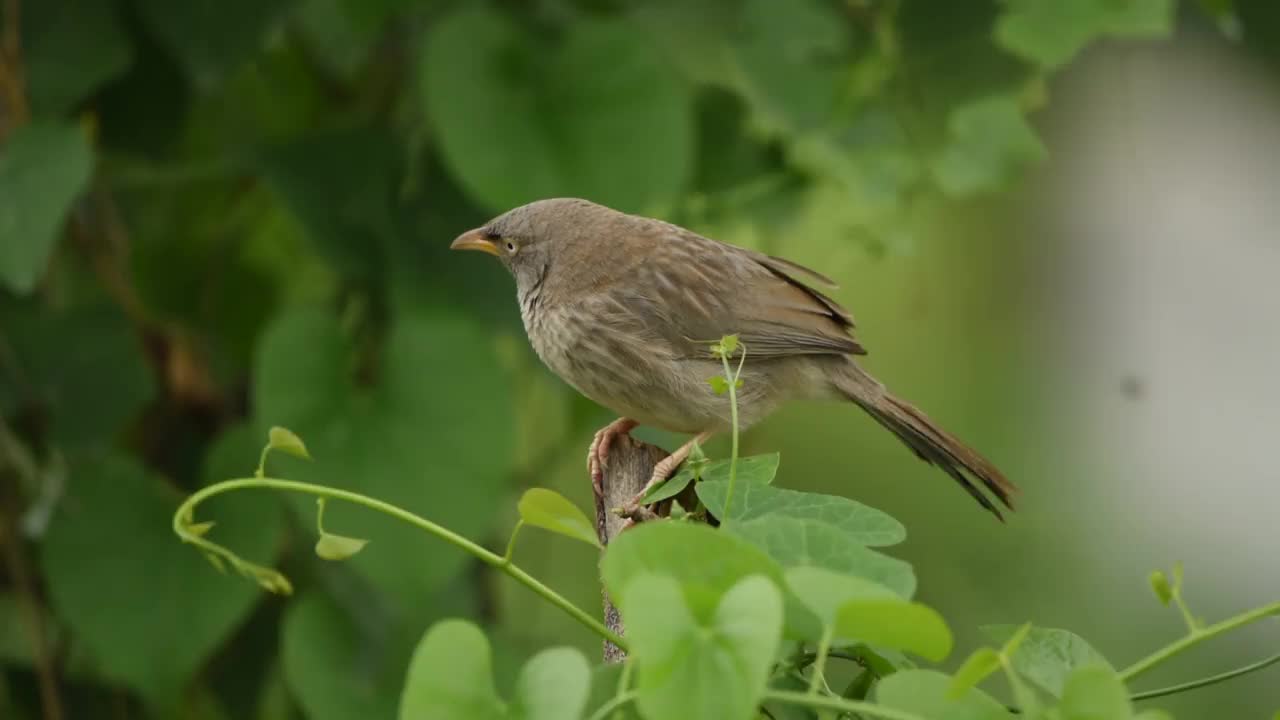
550,510
1050,33
1015,639
286,441
553,685
753,499
451,676
974,670
43,167
500,97
1047,656
211,36
926,693
111,536
672,487
825,592
896,624
1094,692
341,665
331,546
108,366
988,143
702,667
428,436
792,541
728,345
755,469
66,61
718,384
710,563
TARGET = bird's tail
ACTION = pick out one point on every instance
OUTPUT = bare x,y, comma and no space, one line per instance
930,442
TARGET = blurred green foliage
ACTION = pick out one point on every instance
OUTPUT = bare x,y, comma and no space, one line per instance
219,216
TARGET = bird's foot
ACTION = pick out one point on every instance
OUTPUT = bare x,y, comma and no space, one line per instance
661,473
598,454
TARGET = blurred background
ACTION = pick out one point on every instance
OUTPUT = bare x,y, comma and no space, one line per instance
1054,220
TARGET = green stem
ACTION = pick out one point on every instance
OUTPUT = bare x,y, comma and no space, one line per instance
733,417
186,511
820,660
511,542
1196,638
834,703
613,704
1203,682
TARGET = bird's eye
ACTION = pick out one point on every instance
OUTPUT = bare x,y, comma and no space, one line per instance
511,247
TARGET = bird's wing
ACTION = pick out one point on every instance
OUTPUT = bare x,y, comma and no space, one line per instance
697,290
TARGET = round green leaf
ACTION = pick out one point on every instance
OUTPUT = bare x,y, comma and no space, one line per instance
896,624
925,693
451,676
597,113
43,167
1046,656
1094,692
552,511
709,561
714,668
553,685
286,441
825,591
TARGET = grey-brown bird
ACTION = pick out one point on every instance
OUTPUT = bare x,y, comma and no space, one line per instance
626,308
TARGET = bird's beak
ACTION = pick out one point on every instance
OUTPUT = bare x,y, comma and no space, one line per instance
474,240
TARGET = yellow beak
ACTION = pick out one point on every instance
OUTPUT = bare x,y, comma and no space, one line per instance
474,240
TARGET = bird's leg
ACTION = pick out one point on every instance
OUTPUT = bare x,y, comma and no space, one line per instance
598,454
664,470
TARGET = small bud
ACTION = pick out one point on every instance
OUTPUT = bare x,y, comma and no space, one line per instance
287,441
718,385
1160,586
338,547
200,529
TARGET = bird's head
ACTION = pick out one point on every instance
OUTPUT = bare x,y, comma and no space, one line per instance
525,239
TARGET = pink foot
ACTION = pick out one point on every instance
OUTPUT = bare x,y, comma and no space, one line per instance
598,454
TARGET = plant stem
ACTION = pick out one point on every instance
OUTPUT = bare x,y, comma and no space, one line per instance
820,660
834,703
1197,637
186,511
511,543
733,417
1202,682
613,704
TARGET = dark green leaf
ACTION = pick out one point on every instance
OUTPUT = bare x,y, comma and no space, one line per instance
419,438
43,167
552,511
111,536
335,666
212,36
500,98
925,693
702,667
1094,692
66,61
1051,33
1047,656
754,499
671,488
451,676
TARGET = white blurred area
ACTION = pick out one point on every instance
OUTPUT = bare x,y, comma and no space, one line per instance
1158,216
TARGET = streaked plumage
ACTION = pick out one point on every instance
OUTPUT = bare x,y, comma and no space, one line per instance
625,309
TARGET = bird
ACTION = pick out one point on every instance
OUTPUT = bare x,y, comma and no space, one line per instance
626,309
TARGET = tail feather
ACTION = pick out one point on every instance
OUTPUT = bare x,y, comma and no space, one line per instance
930,442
